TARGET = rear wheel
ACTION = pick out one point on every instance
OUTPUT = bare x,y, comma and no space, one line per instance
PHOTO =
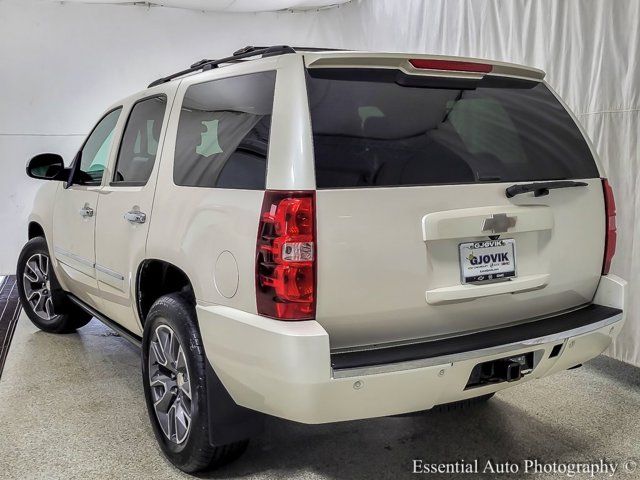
174,375
37,287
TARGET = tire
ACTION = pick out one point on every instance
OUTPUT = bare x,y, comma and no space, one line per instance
463,404
39,291
172,322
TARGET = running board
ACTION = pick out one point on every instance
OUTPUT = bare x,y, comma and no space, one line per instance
123,332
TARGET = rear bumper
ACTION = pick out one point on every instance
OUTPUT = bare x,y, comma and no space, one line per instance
286,369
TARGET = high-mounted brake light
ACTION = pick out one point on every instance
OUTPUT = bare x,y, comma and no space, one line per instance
285,256
455,65
611,234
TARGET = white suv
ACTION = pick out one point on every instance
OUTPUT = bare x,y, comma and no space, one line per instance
328,235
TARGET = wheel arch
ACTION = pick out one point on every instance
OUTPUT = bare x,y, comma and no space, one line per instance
34,230
40,218
156,278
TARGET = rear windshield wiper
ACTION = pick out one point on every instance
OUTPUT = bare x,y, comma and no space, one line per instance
540,189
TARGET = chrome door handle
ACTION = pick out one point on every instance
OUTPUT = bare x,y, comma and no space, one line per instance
86,212
135,217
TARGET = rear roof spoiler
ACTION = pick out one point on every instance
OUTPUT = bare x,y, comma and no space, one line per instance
403,61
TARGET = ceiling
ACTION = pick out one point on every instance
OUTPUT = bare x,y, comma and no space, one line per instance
245,6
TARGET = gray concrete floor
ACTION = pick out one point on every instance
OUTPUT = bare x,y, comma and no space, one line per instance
71,406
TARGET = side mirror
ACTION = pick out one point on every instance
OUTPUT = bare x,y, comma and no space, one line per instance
47,166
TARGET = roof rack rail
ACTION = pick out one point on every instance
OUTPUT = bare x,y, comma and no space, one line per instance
297,49
238,55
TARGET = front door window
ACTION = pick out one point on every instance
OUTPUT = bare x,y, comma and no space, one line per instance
95,152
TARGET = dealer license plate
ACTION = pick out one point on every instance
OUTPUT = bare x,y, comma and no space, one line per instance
487,260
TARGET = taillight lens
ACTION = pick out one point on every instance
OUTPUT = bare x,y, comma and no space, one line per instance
611,235
286,256
455,65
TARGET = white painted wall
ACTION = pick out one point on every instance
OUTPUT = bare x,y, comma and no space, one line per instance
61,64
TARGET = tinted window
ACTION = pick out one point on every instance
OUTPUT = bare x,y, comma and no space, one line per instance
95,152
139,146
386,128
223,133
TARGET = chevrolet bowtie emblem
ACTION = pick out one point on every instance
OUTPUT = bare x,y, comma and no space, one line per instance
498,223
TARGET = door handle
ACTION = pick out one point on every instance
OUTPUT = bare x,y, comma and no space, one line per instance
135,217
86,212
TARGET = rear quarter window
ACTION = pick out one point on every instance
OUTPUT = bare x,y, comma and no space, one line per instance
385,128
223,133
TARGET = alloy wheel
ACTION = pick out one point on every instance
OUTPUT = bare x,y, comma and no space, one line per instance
170,384
37,286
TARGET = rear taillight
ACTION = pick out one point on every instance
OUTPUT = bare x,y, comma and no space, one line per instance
455,65
286,256
611,235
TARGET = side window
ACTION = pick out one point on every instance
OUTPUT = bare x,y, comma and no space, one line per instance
139,146
223,133
95,152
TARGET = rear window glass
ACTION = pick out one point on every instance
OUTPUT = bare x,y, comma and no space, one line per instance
386,128
223,133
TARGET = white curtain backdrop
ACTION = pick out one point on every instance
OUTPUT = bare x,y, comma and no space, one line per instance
61,64
591,53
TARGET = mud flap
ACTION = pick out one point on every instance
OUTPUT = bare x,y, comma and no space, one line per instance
228,421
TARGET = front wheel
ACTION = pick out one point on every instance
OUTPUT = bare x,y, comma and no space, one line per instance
37,286
174,376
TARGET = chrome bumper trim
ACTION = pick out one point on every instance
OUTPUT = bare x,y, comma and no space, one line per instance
458,357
